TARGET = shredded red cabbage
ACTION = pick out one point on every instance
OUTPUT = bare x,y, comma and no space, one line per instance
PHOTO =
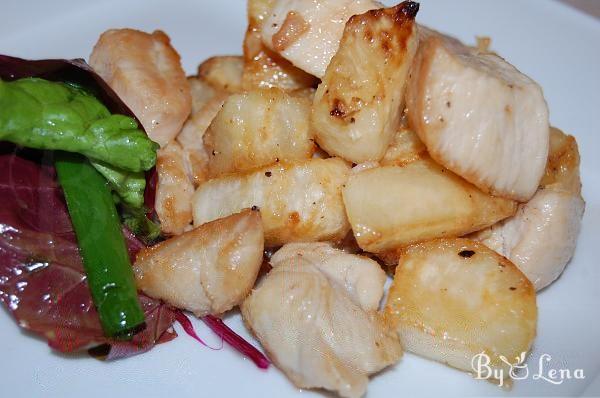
188,328
236,341
232,338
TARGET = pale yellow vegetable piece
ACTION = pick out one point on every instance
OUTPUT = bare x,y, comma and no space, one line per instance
174,190
391,206
298,201
314,315
541,238
223,72
405,148
145,71
359,103
453,299
257,128
562,168
478,116
208,270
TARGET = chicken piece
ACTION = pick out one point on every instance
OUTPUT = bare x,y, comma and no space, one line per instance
258,128
406,147
541,238
452,299
208,270
223,72
299,202
196,157
358,105
174,190
145,71
478,116
361,277
308,33
309,316
202,93
206,103
264,68
390,207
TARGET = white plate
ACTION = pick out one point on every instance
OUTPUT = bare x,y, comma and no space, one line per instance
557,46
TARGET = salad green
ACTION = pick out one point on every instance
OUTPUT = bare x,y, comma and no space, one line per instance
129,185
101,244
40,114
97,152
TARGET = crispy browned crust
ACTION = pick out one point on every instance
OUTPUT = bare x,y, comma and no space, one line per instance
393,29
563,162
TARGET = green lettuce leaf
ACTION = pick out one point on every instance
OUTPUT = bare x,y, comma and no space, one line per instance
136,221
129,185
40,114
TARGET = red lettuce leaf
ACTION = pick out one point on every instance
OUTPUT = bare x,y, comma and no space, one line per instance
42,282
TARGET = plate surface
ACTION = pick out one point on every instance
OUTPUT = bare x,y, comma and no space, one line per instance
553,44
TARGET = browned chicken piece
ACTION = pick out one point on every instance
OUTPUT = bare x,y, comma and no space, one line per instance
264,68
206,103
478,116
308,33
258,128
541,238
223,72
299,202
315,315
393,206
145,71
174,190
202,93
207,270
358,105
361,277
453,299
